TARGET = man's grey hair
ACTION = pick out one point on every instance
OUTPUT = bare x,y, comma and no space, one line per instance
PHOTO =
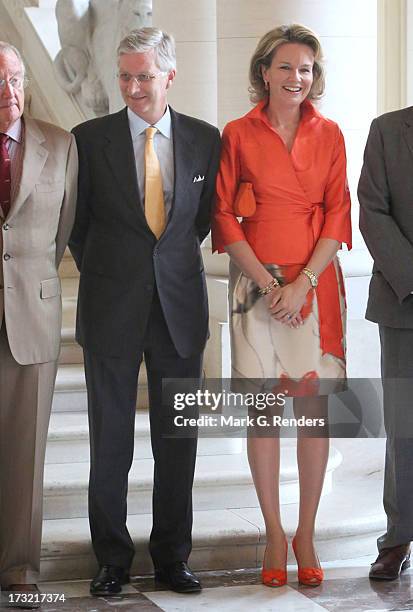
6,47
145,39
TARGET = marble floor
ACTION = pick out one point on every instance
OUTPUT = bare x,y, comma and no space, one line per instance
345,589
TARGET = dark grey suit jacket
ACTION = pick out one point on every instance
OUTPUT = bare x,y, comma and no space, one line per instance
118,256
386,217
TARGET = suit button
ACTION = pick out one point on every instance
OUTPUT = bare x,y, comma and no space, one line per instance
6,226
6,256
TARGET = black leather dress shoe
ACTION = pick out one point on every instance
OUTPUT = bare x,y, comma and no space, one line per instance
390,563
109,580
178,577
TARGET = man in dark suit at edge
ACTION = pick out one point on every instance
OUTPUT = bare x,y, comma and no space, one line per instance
386,222
146,186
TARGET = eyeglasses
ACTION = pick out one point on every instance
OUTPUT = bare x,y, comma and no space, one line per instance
125,77
15,82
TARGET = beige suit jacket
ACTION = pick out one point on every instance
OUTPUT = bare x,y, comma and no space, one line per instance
33,240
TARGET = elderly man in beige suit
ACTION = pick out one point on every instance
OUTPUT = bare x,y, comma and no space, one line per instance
38,185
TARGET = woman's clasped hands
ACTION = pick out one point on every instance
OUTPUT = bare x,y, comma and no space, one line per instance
286,302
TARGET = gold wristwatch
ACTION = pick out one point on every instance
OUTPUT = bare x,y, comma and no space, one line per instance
312,276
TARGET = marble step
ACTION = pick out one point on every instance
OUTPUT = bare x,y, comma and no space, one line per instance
349,520
67,268
70,287
218,478
70,389
68,438
70,351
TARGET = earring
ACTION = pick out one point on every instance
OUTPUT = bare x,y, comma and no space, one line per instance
266,86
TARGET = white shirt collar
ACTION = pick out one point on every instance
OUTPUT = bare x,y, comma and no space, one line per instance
15,131
138,125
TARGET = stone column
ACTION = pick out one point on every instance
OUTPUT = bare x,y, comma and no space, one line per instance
194,91
408,37
394,54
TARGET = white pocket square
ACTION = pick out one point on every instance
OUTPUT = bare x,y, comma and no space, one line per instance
198,179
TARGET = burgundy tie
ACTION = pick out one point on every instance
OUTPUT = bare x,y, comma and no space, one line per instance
5,175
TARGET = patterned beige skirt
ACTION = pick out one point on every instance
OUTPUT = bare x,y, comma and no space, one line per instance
264,350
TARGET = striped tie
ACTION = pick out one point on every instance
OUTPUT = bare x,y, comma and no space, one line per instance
154,202
5,176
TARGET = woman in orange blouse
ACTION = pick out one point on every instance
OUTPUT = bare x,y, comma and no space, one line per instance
286,287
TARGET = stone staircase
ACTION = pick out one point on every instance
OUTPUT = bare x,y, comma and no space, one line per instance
228,527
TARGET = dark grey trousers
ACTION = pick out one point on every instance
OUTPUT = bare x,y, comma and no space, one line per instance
397,375
111,386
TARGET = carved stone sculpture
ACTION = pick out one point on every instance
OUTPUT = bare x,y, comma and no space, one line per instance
89,32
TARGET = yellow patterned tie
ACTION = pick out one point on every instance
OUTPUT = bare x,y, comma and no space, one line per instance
154,202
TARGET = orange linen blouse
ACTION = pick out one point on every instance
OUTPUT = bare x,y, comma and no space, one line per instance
301,196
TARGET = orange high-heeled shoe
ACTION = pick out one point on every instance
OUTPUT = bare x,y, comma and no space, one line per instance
274,577
309,576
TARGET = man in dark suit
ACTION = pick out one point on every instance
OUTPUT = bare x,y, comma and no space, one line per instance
146,186
386,222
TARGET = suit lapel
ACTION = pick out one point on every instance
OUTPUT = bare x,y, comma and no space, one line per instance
34,159
185,156
121,159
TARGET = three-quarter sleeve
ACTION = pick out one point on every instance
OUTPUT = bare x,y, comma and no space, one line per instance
225,226
337,219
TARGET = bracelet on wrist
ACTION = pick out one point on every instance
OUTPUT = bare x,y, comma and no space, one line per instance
268,288
311,275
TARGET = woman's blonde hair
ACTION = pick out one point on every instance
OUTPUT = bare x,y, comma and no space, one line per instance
262,58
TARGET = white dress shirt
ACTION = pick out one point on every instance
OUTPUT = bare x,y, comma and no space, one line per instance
163,145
